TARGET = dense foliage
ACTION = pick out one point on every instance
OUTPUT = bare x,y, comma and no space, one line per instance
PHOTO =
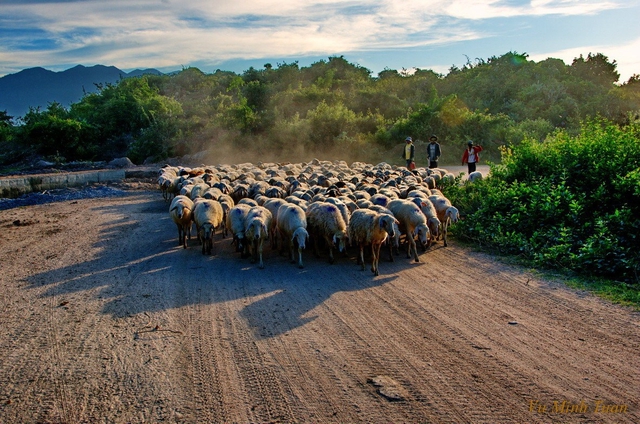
330,109
569,202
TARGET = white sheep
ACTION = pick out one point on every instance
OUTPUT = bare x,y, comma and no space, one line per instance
370,228
256,230
292,227
207,214
447,214
325,222
198,190
429,211
393,240
475,176
273,204
342,206
170,187
246,201
235,223
181,212
227,203
412,223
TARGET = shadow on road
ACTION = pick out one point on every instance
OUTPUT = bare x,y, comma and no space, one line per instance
137,267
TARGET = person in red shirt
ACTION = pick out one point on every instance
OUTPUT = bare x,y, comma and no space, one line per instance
471,156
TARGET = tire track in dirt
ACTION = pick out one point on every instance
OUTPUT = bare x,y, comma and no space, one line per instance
321,344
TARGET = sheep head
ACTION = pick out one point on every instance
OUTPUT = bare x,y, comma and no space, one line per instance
453,214
207,231
422,232
386,223
300,235
434,226
340,240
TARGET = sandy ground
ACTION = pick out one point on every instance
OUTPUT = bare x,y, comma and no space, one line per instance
106,320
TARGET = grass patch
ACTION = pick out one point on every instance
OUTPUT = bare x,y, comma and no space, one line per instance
614,291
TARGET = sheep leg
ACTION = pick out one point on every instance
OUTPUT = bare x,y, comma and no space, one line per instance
260,246
414,249
408,240
361,257
300,264
179,234
375,253
253,251
331,258
292,258
445,227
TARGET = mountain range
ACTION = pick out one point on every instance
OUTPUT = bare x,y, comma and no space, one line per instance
37,87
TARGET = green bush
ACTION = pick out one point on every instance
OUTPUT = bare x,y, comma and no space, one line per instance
570,202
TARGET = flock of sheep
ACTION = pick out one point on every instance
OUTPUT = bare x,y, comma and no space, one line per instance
329,204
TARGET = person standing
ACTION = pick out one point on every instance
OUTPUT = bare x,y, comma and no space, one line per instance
471,156
409,153
433,151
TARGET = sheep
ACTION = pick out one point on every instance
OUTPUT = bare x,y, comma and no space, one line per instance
212,193
246,201
363,203
370,228
412,223
181,213
207,214
393,240
475,176
235,223
292,227
325,222
273,204
298,201
198,190
447,214
256,230
429,211
170,187
344,210
227,203
380,199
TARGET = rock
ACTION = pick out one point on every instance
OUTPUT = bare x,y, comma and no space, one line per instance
388,388
122,163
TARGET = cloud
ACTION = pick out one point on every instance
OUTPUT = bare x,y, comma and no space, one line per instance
166,33
487,9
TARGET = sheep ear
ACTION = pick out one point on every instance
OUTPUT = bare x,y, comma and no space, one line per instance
334,239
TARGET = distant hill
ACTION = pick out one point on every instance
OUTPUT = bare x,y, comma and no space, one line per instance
37,87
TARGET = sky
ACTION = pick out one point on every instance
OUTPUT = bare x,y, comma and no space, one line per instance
234,35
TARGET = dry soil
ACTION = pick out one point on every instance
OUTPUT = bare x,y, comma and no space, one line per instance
105,319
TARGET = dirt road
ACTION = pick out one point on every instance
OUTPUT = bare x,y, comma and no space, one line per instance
106,320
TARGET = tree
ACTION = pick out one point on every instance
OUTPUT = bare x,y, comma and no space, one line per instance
596,68
54,132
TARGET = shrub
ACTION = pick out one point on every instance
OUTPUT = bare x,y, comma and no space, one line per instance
570,202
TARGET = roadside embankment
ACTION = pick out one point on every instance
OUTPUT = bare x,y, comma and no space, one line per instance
15,186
